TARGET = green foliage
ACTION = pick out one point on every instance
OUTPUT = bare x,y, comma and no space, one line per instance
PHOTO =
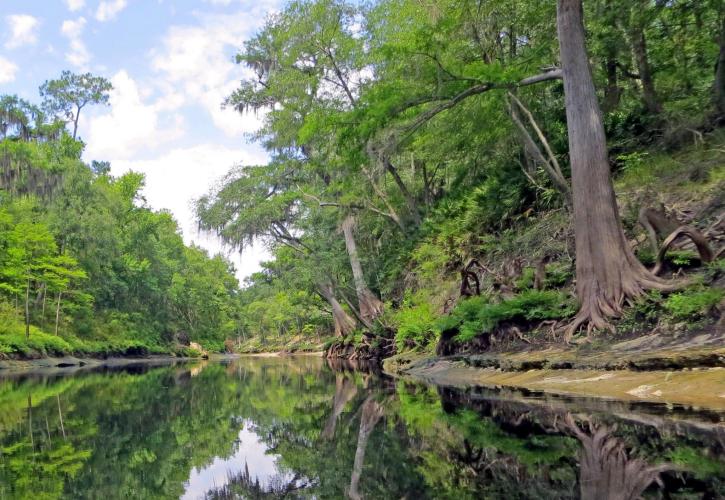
84,255
70,93
694,303
417,325
479,315
526,280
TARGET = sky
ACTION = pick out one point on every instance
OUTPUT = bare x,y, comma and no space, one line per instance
171,63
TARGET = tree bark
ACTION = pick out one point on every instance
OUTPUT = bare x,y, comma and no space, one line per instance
607,271
372,412
344,323
639,48
370,306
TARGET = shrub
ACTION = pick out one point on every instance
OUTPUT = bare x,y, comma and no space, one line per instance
526,280
479,315
693,304
416,324
39,344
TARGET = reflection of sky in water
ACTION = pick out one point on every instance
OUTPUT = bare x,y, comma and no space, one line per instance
250,450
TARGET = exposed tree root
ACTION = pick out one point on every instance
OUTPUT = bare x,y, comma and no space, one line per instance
697,238
600,303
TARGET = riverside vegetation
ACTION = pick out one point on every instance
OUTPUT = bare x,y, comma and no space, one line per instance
442,173
86,268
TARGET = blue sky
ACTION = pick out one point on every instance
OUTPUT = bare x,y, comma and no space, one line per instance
171,63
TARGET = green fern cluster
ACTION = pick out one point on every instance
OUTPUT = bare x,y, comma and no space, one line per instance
479,315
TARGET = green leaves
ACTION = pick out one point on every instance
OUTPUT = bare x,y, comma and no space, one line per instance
69,94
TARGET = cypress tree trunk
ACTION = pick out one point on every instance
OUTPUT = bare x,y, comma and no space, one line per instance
344,323
370,306
607,271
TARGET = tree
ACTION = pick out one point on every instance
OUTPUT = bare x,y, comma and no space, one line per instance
370,306
607,271
70,93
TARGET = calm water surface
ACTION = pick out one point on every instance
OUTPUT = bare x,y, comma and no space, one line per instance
303,428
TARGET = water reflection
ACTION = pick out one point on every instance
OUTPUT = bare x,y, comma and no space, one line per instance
312,428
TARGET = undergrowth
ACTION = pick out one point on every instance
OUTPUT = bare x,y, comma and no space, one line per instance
480,315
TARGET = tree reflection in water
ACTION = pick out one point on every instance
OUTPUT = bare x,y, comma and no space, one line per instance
330,430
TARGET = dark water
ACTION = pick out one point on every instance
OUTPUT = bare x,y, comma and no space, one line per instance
298,428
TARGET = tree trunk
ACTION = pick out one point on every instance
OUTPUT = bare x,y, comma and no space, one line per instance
57,313
27,310
639,47
607,271
45,294
720,74
612,92
372,412
370,306
549,162
344,323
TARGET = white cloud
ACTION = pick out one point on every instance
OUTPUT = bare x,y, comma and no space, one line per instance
109,9
77,54
8,69
197,60
74,5
181,175
22,29
131,125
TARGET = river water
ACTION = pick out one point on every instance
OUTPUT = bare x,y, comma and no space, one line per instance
306,428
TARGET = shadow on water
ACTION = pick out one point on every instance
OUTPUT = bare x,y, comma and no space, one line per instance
312,428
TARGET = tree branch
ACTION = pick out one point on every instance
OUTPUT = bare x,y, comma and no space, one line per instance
550,74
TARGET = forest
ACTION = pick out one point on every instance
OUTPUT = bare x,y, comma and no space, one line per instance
461,173
442,174
86,267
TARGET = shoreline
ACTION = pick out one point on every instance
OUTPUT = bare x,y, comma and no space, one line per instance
699,387
72,364
686,371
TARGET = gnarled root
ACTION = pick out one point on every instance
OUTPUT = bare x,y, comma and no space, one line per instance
697,238
600,303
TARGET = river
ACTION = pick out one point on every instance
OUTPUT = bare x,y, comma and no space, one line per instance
304,427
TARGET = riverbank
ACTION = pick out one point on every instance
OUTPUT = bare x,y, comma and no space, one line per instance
652,368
